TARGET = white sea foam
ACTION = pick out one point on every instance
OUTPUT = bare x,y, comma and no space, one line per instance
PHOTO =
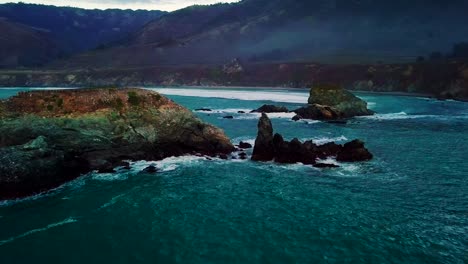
30,232
225,111
325,140
270,115
395,116
371,104
109,176
168,164
345,169
273,95
112,201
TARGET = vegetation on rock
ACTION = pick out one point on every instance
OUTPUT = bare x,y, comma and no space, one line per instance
49,137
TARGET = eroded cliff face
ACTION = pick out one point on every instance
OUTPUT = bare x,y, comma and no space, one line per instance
49,137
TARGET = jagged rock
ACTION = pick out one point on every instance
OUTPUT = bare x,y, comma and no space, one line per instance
318,112
264,149
297,118
77,131
150,169
343,102
271,109
268,147
223,156
245,145
354,151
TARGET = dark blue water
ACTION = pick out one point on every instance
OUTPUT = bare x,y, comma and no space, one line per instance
408,205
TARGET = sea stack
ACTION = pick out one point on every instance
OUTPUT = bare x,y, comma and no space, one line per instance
269,147
50,137
331,102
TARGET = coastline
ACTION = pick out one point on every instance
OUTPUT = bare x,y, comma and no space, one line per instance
273,88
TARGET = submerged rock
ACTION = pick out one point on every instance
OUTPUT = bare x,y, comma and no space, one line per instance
50,137
271,109
325,165
245,145
297,118
150,169
204,110
268,147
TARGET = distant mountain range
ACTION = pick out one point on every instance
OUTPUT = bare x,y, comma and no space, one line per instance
44,33
330,31
254,31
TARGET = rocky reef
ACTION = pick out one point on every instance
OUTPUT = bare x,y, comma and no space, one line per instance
331,102
272,147
271,109
50,137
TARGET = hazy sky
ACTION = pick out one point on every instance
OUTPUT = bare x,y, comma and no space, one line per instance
167,5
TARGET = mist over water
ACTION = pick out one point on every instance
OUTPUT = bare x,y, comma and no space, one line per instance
408,205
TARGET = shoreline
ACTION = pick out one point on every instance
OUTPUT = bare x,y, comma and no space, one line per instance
273,88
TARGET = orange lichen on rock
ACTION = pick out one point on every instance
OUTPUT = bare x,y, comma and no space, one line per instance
75,102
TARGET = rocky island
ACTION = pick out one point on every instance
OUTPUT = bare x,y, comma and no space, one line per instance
326,102
272,147
50,137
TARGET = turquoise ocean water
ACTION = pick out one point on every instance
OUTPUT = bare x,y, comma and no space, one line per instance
408,205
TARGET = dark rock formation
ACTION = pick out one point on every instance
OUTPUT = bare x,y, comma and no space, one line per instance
150,169
344,103
297,118
268,147
271,109
319,112
228,117
243,155
245,145
264,149
50,137
241,112
325,165
354,151
203,109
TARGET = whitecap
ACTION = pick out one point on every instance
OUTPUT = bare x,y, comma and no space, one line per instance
109,176
112,201
345,169
272,95
395,116
168,164
33,231
251,116
324,140
225,111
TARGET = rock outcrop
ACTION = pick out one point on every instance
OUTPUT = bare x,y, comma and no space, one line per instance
270,147
317,112
264,149
338,98
50,137
271,109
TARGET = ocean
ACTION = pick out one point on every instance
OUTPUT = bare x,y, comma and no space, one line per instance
408,205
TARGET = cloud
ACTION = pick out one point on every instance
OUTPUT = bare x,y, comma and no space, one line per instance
168,5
